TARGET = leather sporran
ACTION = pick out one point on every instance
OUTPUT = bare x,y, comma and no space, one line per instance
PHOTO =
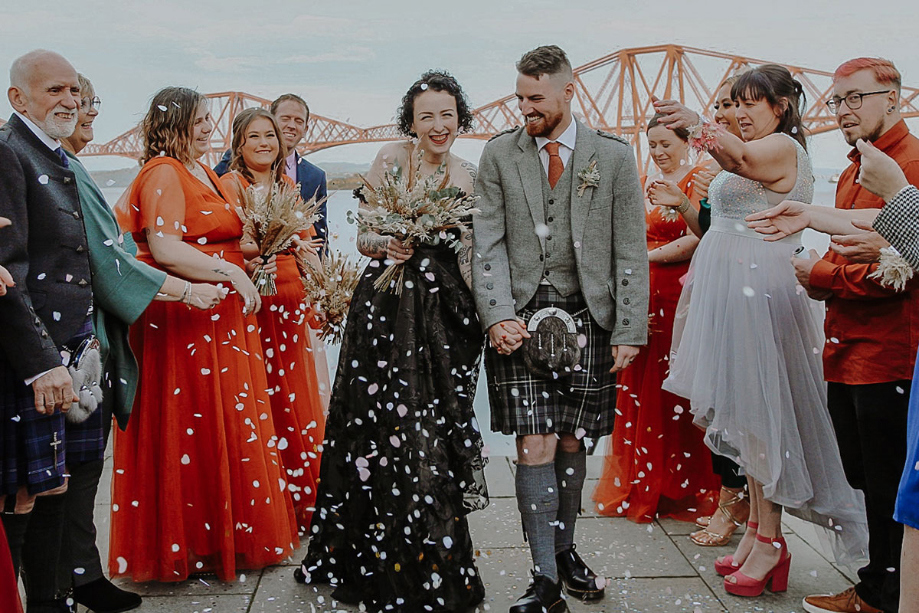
85,368
552,351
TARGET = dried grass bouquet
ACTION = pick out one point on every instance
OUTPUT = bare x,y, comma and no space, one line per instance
330,287
417,210
272,218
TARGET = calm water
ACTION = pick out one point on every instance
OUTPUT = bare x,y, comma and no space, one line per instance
343,238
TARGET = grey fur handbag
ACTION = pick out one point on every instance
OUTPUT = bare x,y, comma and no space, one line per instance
552,350
85,366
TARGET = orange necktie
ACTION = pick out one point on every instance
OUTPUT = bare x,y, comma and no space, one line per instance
556,168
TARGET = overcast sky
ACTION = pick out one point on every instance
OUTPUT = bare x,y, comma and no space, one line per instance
354,60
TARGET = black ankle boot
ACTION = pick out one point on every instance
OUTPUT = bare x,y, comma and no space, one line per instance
579,580
543,596
102,596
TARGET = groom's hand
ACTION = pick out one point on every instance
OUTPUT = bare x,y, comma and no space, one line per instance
507,336
623,355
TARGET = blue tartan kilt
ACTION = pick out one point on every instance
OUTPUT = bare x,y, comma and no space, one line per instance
582,403
27,456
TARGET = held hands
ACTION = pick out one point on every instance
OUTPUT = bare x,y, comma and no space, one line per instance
665,193
784,219
54,390
879,173
675,115
397,251
863,247
507,336
623,355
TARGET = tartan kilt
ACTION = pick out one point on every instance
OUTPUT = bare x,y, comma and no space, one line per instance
582,403
27,457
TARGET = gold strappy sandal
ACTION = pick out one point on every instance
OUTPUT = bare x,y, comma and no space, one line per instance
736,510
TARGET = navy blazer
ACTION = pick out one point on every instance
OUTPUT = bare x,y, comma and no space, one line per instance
45,251
312,182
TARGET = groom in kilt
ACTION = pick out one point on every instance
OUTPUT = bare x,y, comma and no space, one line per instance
559,249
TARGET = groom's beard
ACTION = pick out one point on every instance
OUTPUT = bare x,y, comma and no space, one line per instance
544,125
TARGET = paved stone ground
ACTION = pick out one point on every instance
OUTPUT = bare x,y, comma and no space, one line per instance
652,567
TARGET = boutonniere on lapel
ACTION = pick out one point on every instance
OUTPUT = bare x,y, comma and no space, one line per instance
589,176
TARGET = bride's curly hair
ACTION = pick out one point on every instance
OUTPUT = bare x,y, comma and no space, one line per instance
167,127
439,81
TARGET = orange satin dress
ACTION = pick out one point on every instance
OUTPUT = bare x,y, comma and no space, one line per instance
657,464
296,406
198,485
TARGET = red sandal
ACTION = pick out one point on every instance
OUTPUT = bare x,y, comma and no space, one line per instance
726,566
776,579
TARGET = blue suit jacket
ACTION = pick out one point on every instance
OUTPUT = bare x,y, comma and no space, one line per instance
312,182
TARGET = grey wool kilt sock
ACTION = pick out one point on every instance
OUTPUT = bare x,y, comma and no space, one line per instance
570,472
537,499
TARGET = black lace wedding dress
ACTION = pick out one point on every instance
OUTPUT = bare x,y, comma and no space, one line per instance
402,461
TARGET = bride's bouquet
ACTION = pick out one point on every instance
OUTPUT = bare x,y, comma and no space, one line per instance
330,288
272,218
415,209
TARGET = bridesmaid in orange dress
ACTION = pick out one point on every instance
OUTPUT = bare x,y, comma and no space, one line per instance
658,464
198,485
296,407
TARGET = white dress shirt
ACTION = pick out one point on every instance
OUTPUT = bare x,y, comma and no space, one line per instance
566,140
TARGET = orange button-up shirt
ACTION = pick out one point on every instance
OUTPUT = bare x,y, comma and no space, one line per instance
872,331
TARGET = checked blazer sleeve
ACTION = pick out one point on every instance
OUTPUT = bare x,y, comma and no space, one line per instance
898,223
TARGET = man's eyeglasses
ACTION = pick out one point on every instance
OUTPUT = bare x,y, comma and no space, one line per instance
853,101
90,103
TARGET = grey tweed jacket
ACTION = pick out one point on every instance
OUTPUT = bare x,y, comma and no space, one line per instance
607,232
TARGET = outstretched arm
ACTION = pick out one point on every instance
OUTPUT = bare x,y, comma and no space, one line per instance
790,217
770,160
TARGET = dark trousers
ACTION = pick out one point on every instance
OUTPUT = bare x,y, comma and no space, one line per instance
729,472
870,424
78,549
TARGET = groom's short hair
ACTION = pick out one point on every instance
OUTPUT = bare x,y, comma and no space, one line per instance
546,60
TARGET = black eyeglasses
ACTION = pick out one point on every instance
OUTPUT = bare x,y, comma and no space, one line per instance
90,103
853,101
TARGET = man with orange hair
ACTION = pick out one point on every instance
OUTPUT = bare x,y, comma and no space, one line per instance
872,333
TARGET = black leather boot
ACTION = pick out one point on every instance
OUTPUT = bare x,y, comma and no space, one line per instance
579,580
543,596
103,596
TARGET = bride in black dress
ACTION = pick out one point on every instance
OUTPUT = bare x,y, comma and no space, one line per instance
402,461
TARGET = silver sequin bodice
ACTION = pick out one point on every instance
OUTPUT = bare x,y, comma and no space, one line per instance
734,197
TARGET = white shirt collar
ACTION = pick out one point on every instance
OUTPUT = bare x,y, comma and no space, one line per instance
49,142
567,138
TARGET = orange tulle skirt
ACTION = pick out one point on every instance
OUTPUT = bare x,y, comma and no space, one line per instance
198,484
293,385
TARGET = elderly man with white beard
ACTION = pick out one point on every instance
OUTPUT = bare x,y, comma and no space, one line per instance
45,315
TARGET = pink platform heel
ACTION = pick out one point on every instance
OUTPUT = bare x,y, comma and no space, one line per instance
726,566
776,579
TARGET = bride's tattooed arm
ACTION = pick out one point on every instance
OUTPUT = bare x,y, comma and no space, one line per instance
372,244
